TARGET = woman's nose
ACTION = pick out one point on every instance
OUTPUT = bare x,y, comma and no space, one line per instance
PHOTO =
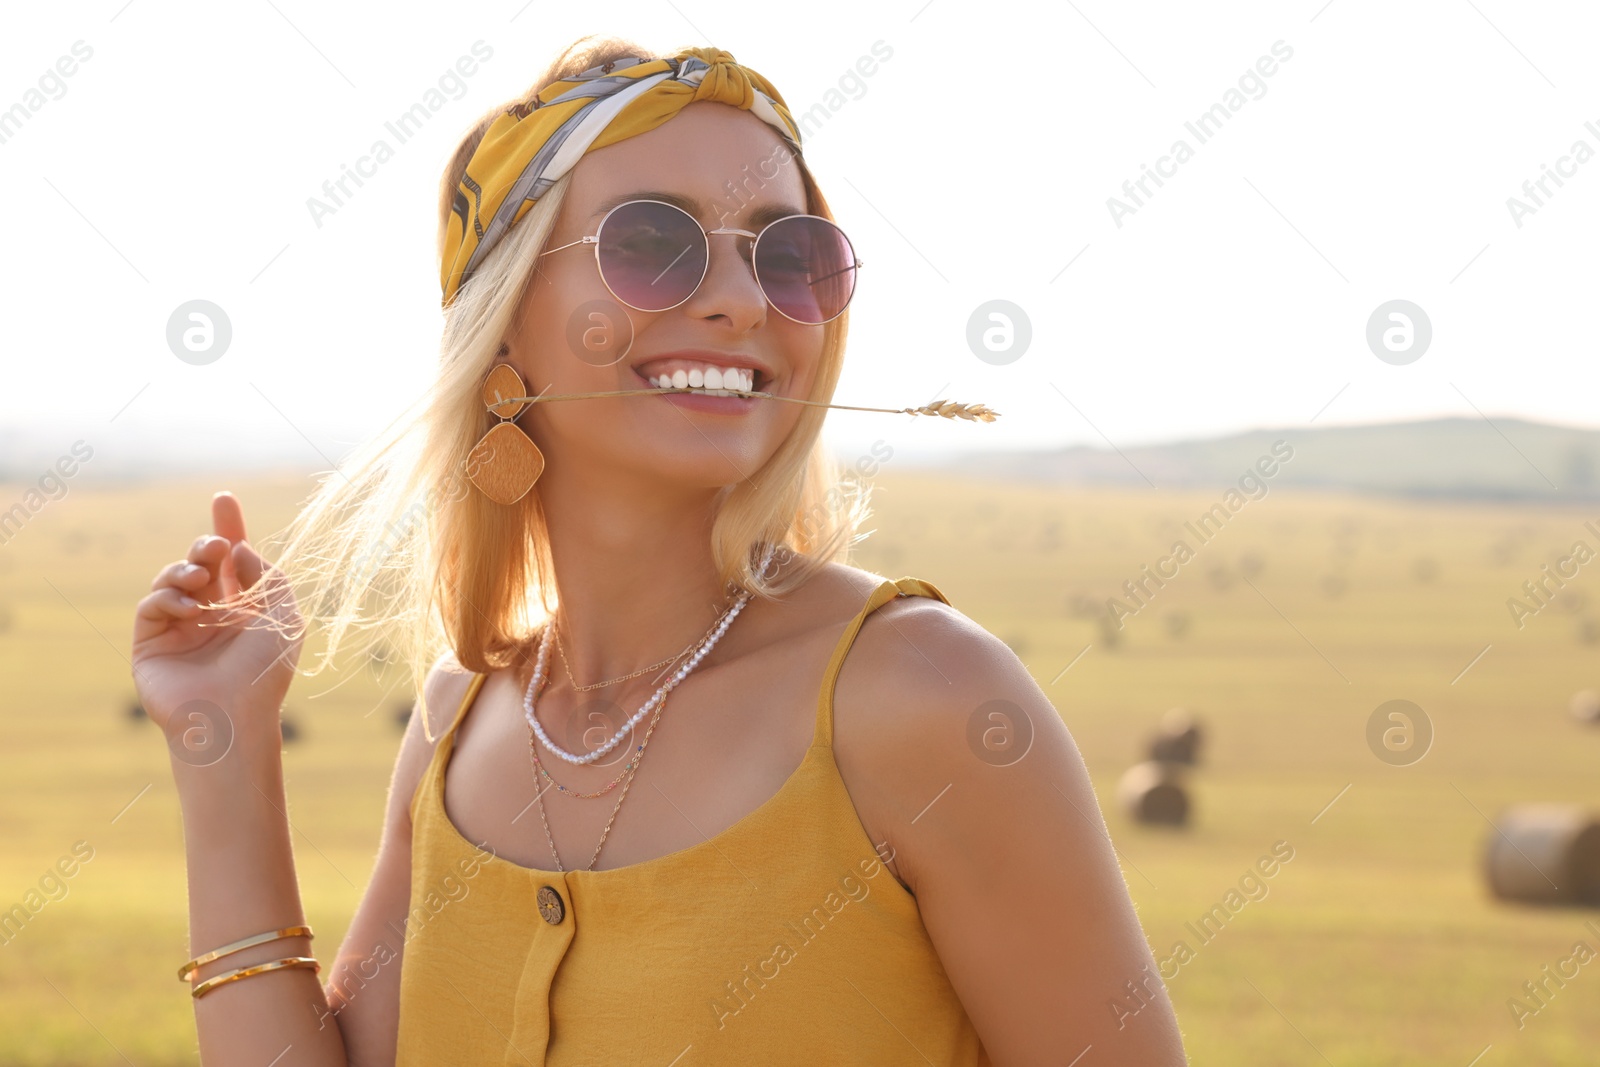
730,286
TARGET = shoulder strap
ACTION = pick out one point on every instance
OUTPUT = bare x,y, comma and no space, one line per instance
466,702
438,739
445,742
885,592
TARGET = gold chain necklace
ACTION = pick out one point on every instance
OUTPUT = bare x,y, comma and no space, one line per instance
597,685
630,771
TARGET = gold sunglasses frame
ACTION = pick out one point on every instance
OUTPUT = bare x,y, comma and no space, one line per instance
594,239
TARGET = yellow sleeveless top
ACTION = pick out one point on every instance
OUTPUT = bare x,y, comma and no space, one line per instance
781,940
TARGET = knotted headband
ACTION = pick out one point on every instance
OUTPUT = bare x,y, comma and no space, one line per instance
522,155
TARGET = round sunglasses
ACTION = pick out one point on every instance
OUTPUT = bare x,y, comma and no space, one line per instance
653,256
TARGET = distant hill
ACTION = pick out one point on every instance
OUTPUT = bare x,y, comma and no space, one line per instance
1453,457
1458,458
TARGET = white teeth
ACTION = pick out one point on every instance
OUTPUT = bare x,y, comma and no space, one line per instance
707,378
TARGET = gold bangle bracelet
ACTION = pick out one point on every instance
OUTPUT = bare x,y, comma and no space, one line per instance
243,942
258,968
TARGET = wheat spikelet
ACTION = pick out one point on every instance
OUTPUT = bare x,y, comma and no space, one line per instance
950,409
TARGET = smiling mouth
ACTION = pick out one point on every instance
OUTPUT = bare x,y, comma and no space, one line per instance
760,381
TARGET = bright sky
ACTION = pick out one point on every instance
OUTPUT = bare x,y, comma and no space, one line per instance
157,153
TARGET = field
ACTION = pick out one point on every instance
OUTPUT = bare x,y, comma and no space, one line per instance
1377,944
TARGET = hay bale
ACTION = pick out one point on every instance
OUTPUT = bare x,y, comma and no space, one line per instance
1178,738
1546,854
1570,600
290,729
1110,631
402,716
1153,793
1050,539
1177,624
135,711
1081,605
1589,631
1585,706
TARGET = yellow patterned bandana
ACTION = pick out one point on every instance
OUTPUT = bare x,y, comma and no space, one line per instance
521,156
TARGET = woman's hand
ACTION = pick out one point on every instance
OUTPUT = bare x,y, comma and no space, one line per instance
191,666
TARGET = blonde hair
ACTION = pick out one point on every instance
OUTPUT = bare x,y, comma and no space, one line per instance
400,545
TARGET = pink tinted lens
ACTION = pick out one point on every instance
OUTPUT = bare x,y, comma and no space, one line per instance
652,255
807,268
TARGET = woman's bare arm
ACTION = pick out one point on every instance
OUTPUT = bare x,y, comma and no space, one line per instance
1014,873
241,882
214,682
363,986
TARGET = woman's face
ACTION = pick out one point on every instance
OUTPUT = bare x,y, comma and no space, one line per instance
726,166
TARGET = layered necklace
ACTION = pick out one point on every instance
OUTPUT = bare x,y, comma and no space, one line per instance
657,702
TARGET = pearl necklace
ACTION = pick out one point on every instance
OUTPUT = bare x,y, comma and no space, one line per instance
534,683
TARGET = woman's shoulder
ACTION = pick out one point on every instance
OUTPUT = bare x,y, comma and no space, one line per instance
917,678
915,659
443,692
442,695
894,659
891,634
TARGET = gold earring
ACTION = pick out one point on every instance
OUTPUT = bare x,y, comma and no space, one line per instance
505,462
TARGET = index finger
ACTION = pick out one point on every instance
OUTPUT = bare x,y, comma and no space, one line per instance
228,517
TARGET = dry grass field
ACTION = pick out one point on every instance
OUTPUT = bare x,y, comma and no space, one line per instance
1376,944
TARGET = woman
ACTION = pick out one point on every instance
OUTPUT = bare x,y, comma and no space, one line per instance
862,834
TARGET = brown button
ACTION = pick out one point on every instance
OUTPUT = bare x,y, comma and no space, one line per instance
550,905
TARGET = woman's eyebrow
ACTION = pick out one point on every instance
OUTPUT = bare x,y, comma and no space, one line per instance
687,203
758,218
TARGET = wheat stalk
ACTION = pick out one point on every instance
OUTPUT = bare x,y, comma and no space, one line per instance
944,409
